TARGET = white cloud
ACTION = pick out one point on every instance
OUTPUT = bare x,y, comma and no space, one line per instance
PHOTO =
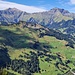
29,9
72,1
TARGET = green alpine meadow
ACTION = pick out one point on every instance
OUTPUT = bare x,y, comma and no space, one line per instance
29,49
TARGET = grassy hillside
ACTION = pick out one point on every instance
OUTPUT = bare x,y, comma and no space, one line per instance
33,50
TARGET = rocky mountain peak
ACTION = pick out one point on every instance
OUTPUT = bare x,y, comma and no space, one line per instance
62,11
12,9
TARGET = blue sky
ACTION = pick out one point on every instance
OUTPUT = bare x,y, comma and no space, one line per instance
39,5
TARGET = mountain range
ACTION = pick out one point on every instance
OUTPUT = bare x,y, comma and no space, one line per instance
13,15
56,18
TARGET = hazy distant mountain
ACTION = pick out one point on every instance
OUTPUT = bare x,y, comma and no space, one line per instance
48,17
13,15
64,12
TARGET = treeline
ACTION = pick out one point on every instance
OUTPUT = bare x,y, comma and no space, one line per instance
26,67
50,32
4,57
